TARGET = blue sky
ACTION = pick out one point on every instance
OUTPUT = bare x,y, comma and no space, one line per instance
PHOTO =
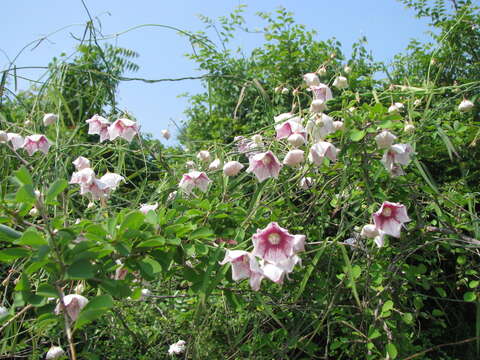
387,24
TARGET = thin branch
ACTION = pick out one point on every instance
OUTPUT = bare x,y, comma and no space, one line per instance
440,346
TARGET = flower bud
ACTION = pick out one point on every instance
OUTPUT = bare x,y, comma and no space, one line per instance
306,183
55,352
257,139
295,92
322,71
190,164
171,196
38,194
294,157
90,205
318,106
285,91
27,123
296,140
340,82
215,165
145,293
49,119
232,168
417,102
203,155
3,136
409,128
385,139
338,125
369,231
33,212
465,105
166,134
347,69
278,90
3,311
78,221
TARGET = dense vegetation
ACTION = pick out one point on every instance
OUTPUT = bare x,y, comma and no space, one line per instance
403,287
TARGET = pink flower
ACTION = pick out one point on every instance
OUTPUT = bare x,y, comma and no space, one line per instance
124,128
306,183
83,176
385,139
145,208
398,154
296,140
290,127
111,180
232,168
321,127
321,92
390,218
277,272
321,150
81,163
34,143
311,79
49,119
264,165
166,134
95,187
16,140
74,303
294,157
194,179
274,243
98,125
204,155
244,266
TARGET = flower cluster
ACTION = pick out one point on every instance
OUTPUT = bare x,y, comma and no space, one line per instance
31,144
89,184
122,127
395,154
277,250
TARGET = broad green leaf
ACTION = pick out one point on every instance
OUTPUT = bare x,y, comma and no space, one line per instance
469,296
54,190
47,290
23,176
392,351
8,234
150,266
387,306
79,270
32,237
26,194
94,310
202,233
154,242
12,254
357,135
132,221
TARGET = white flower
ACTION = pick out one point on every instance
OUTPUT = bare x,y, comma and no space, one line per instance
145,208
294,157
322,71
16,140
285,91
385,139
369,231
145,293
232,168
55,352
340,82
3,311
311,79
338,125
320,150
296,140
203,155
215,165
49,119
465,105
257,139
306,183
74,303
190,164
81,163
33,212
394,108
347,69
166,134
409,128
318,106
177,348
284,117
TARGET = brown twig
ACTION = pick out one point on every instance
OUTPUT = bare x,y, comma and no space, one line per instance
15,316
465,238
440,346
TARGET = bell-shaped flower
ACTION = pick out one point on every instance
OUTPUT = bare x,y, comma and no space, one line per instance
296,140
409,128
390,218
73,303
55,352
49,119
16,140
81,163
322,71
306,183
274,243
203,155
232,168
37,142
276,272
465,105
244,266
385,139
98,125
321,92
398,154
177,348
166,134
320,127
264,165
215,165
257,139
111,180
294,157
247,146
83,176
190,164
338,125
370,231
96,188
145,208
124,128
340,82
194,179
318,106
321,150
311,79
289,127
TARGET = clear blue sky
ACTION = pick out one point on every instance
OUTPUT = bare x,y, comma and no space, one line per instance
387,24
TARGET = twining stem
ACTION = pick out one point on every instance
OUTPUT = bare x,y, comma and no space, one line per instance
68,329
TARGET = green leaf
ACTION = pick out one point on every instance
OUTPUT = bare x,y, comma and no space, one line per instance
149,266
23,176
132,221
202,233
26,194
407,318
47,290
8,234
12,254
357,135
392,351
374,333
31,237
387,306
94,309
469,296
54,190
154,242
79,270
